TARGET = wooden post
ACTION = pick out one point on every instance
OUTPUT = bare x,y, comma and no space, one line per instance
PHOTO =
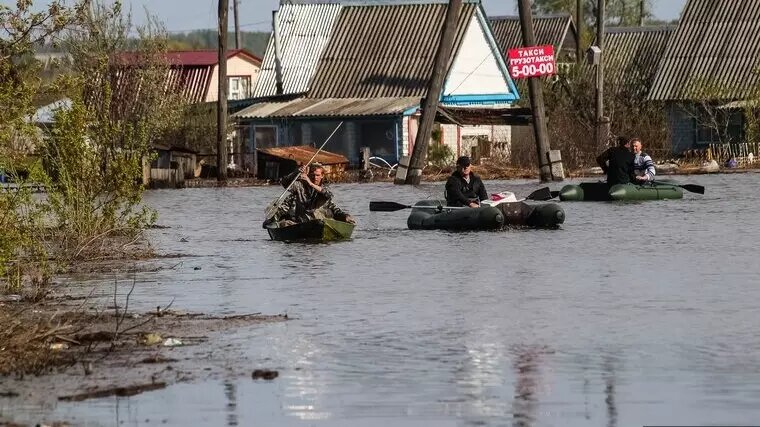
642,6
277,63
440,67
536,94
578,30
238,40
365,157
602,122
221,110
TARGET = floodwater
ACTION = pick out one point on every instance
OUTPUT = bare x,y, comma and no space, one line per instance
631,314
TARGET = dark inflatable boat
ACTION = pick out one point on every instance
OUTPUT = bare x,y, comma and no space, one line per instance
435,215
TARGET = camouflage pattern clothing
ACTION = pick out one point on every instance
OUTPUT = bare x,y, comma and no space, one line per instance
305,203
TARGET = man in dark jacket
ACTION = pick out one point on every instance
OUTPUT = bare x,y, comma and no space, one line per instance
463,187
617,162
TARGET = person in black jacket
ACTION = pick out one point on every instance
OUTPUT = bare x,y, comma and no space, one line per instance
464,188
617,162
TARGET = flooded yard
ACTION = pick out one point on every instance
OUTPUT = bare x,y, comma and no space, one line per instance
630,314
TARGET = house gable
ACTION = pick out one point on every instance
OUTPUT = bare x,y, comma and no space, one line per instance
303,32
384,50
556,30
478,73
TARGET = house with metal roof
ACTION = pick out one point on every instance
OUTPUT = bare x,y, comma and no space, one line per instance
195,74
556,30
632,56
710,66
369,65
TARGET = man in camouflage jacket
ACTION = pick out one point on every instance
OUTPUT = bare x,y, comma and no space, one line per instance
309,199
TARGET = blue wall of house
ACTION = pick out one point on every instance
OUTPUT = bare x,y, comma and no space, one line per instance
380,134
681,128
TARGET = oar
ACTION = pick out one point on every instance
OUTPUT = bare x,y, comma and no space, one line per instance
379,206
694,188
274,205
540,194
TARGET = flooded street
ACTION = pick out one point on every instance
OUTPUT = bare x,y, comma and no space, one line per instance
630,314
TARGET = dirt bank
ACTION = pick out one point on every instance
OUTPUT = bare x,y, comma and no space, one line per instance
65,349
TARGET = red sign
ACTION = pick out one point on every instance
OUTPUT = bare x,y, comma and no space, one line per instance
534,61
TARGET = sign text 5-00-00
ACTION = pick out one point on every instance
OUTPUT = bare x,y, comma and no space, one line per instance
533,61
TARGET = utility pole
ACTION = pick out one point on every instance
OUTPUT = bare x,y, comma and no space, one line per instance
221,106
238,42
442,59
602,122
536,94
578,30
277,63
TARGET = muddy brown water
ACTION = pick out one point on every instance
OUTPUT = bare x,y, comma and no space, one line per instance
630,314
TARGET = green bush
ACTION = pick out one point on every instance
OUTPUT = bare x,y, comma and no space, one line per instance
440,155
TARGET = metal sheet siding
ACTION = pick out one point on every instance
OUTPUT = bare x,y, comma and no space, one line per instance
383,51
548,30
329,107
633,55
713,53
304,31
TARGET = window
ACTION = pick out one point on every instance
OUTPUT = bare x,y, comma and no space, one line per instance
238,87
720,127
265,136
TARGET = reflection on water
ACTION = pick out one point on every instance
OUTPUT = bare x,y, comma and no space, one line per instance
525,403
609,391
230,392
631,314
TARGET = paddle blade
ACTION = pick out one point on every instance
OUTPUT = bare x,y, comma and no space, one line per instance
540,194
377,206
694,188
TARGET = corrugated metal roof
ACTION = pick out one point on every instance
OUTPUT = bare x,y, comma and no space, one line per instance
383,51
329,107
632,55
303,153
205,57
304,30
548,29
713,54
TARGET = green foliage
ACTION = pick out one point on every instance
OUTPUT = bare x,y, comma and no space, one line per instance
617,12
440,155
197,131
255,42
93,156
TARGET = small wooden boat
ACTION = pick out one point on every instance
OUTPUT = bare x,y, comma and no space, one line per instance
316,230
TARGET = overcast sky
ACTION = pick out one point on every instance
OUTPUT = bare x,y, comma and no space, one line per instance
256,15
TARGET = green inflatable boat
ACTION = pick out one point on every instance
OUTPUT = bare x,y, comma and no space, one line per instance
599,191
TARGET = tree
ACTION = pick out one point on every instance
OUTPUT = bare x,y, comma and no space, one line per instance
91,161
21,215
617,12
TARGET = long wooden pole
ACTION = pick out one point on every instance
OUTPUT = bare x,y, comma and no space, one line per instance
441,63
536,94
578,30
221,110
238,39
